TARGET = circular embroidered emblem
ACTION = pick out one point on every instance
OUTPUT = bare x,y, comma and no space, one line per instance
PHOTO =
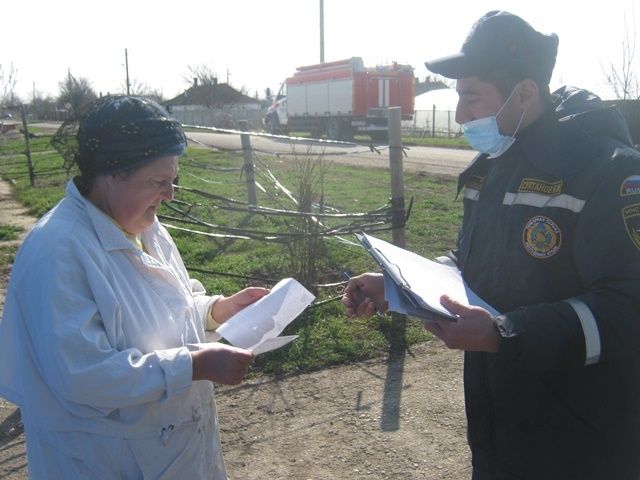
541,237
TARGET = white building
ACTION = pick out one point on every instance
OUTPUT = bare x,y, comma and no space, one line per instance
435,113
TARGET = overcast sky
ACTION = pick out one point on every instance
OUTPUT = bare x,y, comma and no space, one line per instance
255,44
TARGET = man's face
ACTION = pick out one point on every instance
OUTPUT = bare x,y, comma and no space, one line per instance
479,99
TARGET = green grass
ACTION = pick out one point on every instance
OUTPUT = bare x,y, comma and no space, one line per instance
17,147
327,337
9,232
7,255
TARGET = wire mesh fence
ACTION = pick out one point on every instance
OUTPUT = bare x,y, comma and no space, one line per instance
209,203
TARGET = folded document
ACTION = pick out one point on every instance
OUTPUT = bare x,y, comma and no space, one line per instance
413,284
257,327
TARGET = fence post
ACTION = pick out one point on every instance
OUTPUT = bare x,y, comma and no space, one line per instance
248,163
397,178
433,122
397,333
27,147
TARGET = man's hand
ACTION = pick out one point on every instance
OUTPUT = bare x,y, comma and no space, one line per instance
221,363
364,295
474,329
227,307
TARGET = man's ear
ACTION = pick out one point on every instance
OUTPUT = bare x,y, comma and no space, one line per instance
528,94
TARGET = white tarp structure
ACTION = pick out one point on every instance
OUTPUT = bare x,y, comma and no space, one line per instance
443,99
435,113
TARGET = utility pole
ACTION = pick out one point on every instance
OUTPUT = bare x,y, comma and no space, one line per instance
321,31
126,66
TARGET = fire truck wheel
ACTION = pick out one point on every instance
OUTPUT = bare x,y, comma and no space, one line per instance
347,133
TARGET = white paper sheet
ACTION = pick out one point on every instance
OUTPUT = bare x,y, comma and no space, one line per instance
399,303
422,280
258,326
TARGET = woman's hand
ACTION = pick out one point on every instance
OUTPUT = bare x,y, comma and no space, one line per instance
226,307
364,295
221,363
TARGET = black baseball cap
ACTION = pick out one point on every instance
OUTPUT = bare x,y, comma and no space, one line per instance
501,42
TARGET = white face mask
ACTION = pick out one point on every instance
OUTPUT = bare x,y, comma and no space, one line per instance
484,134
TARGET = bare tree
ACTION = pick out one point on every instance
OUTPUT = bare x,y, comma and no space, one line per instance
308,172
203,74
75,93
433,82
140,89
8,80
42,106
624,80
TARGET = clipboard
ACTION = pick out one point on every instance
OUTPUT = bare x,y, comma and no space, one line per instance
388,267
414,284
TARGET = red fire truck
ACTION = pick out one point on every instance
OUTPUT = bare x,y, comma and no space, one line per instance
341,99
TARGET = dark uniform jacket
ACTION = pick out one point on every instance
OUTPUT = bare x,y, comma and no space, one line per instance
551,239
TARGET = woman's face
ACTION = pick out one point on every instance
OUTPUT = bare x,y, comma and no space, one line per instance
133,201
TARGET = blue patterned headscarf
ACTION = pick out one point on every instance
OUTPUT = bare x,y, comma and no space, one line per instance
119,132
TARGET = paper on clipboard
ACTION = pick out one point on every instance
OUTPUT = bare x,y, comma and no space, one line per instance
414,284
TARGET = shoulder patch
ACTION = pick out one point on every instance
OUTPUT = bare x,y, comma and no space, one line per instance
631,217
541,237
630,186
532,185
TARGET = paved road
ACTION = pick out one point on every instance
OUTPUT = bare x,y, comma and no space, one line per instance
445,161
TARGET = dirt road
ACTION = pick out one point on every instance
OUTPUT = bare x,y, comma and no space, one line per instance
12,445
390,418
395,418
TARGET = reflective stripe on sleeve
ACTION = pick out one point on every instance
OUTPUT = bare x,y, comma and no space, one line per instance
472,194
590,329
538,200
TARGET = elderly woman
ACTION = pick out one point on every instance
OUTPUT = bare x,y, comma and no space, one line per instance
100,310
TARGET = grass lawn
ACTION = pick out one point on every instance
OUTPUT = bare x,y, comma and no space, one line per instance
9,232
225,265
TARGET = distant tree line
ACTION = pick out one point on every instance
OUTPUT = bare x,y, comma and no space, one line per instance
74,92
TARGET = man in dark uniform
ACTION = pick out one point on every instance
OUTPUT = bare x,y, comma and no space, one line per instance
550,238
